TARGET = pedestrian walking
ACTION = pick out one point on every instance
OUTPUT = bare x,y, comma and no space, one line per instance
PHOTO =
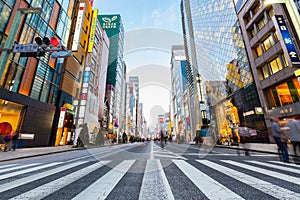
15,140
279,137
294,134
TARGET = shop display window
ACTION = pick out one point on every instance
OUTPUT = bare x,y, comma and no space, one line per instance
10,116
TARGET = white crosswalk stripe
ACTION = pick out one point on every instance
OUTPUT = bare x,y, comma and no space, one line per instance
286,164
103,186
266,187
154,183
23,181
266,172
296,171
206,184
49,188
18,167
6,166
4,176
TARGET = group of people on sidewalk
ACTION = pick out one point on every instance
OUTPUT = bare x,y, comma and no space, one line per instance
282,132
8,142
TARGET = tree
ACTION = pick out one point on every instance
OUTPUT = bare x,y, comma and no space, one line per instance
84,134
100,137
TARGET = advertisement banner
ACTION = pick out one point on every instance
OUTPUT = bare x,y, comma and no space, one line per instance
92,32
78,27
287,40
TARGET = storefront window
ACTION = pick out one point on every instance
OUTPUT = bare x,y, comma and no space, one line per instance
10,116
293,91
284,94
297,86
275,97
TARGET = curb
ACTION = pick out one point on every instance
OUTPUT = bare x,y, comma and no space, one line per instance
254,150
42,154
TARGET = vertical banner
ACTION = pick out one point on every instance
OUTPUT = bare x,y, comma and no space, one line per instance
92,32
78,27
286,39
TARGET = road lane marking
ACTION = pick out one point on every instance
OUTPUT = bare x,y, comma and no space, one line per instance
5,166
23,181
264,186
18,167
155,184
297,171
151,154
286,164
271,173
103,186
210,187
53,186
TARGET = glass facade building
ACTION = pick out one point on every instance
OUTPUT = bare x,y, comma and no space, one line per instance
29,82
228,88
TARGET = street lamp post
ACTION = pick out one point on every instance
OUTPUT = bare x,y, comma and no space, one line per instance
292,10
12,35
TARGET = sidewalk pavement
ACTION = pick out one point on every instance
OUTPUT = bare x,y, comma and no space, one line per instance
32,152
38,151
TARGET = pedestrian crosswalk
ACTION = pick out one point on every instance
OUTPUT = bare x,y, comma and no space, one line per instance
178,179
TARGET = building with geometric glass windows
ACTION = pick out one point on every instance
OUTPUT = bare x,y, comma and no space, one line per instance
272,42
229,92
29,92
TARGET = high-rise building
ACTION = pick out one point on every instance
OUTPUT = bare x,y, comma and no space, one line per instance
94,79
272,43
29,92
179,89
115,94
135,81
228,89
72,102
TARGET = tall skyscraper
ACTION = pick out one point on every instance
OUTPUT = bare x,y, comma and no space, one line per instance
115,94
228,88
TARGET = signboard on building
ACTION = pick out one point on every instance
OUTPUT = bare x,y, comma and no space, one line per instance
61,117
93,28
287,40
110,23
78,27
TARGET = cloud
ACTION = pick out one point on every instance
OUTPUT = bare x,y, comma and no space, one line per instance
163,18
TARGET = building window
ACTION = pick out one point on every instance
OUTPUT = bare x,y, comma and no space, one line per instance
261,23
271,13
268,43
265,72
284,60
258,51
253,31
275,65
285,93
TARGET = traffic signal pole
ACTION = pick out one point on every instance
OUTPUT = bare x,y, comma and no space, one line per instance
12,36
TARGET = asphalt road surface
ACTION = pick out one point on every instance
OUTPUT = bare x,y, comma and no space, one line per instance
147,171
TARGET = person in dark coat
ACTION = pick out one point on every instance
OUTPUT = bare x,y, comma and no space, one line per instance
15,139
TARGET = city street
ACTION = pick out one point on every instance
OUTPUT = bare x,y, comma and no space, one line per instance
146,171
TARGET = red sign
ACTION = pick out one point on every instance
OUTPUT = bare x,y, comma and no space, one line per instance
83,96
